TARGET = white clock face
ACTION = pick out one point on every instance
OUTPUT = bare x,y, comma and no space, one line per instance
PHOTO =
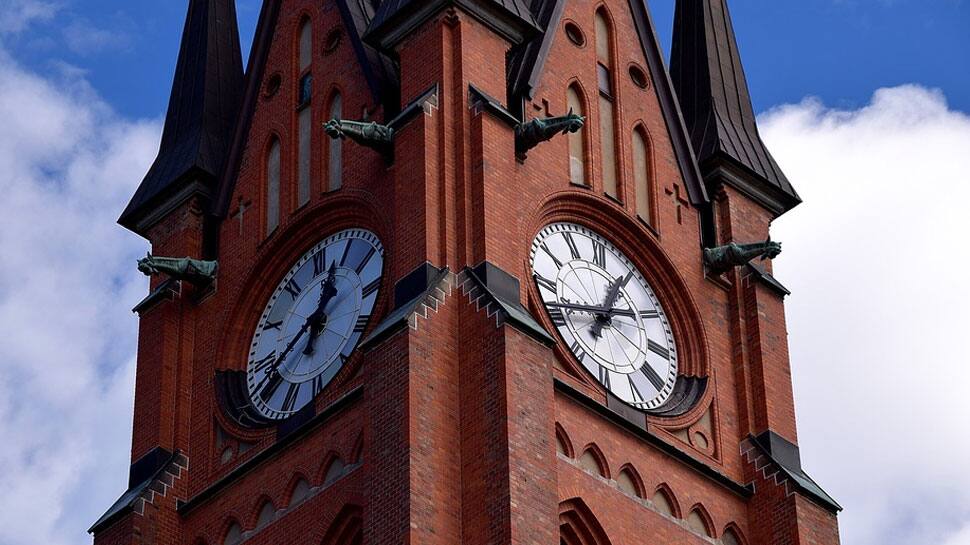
313,322
606,313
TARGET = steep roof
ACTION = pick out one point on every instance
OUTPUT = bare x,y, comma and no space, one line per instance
396,18
715,100
202,110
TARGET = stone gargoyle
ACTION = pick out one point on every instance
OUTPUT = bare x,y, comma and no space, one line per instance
725,258
196,272
370,135
531,134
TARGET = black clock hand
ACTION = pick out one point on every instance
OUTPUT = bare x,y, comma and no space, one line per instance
591,309
606,312
317,320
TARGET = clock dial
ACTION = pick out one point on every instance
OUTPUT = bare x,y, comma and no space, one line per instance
606,313
313,322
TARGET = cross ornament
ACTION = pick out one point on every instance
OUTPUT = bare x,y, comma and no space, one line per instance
241,213
679,201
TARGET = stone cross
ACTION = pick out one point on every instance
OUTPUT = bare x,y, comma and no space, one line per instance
241,213
679,201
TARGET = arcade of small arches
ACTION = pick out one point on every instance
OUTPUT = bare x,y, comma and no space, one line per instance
346,529
578,526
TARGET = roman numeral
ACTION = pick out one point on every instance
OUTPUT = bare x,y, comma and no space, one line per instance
371,288
293,289
637,396
278,326
271,383
649,314
658,350
599,254
578,351
320,262
558,317
653,377
545,248
605,377
361,323
262,364
365,261
317,384
545,283
573,249
343,259
289,402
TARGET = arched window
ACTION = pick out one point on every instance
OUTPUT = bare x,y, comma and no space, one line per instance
335,163
234,535
593,461
578,525
273,186
697,521
643,175
305,95
628,482
347,528
300,492
266,514
607,100
335,471
665,503
577,140
730,537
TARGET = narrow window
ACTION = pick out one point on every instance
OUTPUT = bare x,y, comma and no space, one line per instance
266,514
273,186
234,535
336,161
643,175
577,140
304,96
607,109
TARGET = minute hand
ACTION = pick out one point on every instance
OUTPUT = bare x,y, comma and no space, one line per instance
594,309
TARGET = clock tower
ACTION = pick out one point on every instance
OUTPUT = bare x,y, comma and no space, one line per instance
479,272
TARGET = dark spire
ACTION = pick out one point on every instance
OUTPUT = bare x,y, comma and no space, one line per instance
395,19
202,111
714,97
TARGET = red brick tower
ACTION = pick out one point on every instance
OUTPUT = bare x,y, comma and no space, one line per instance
463,272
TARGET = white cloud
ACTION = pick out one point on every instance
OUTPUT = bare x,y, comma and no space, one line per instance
877,259
83,38
18,14
67,283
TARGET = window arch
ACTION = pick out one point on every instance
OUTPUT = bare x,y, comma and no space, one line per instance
593,460
732,536
305,116
665,502
267,513
578,525
563,445
335,161
699,521
643,174
301,491
605,65
629,481
335,470
578,168
273,185
233,534
347,528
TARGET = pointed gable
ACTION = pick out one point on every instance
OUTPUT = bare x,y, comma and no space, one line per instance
716,103
397,18
202,111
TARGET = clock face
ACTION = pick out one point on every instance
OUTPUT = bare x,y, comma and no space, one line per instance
606,313
313,322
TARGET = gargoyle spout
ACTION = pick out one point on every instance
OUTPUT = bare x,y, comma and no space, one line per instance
531,134
196,272
725,258
371,135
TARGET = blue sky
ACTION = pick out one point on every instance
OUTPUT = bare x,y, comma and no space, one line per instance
838,50
864,104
